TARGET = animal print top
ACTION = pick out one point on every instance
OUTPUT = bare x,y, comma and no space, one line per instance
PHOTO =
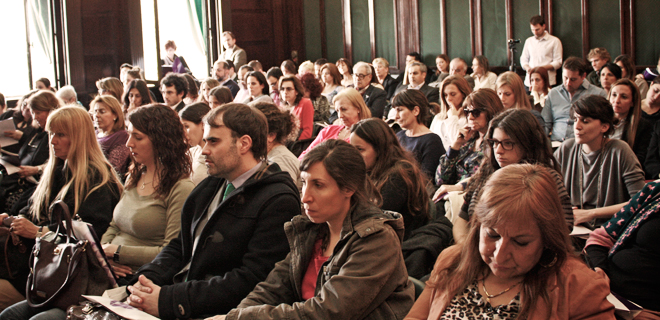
470,304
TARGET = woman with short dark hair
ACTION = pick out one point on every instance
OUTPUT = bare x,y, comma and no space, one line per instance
412,114
313,90
610,165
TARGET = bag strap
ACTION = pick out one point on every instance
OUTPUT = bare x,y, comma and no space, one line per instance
72,266
59,211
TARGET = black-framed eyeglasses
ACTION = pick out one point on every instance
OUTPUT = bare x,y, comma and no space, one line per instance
360,76
475,112
506,144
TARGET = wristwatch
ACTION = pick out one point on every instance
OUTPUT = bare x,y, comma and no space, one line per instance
115,257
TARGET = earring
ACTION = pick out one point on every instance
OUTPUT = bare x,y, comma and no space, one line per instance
115,119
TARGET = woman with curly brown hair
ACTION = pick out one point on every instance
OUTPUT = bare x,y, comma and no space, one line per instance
148,215
313,89
282,127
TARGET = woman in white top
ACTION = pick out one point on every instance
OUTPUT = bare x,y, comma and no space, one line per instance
191,117
451,118
483,78
257,87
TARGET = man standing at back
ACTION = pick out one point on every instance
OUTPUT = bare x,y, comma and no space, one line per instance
232,51
557,110
232,224
541,50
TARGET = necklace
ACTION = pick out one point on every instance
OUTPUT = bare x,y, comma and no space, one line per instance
144,184
490,296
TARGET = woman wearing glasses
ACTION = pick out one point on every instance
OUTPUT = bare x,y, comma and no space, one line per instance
514,136
464,156
292,94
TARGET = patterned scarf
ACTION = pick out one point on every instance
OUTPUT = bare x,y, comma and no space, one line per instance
625,222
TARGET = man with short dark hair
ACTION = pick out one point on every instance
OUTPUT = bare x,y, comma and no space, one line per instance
416,81
317,67
174,88
541,50
232,230
232,71
221,73
232,51
557,110
374,98
598,57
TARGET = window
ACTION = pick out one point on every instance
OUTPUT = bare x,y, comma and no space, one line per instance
180,21
28,52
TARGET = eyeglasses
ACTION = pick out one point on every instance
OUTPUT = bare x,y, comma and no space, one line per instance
475,112
360,76
287,89
506,144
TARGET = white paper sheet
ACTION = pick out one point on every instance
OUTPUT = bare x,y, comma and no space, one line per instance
11,169
122,309
7,125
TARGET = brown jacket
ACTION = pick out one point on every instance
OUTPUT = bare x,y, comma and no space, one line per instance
365,278
578,293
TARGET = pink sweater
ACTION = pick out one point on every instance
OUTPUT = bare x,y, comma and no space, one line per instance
305,113
329,132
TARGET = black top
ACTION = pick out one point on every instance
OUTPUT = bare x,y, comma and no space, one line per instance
633,269
395,198
427,150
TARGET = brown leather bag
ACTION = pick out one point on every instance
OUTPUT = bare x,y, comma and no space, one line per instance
63,268
14,254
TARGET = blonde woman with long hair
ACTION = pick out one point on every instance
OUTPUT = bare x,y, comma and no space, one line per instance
77,173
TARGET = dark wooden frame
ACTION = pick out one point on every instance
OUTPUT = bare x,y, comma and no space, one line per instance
585,27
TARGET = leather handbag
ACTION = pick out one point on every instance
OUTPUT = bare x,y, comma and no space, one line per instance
14,254
63,267
90,311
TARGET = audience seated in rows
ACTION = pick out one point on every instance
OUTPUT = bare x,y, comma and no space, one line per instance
231,225
243,94
539,86
111,86
219,95
628,71
513,137
273,77
76,173
345,68
205,88
389,83
345,259
651,104
221,74
609,74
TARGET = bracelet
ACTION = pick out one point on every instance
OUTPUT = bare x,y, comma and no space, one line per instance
115,257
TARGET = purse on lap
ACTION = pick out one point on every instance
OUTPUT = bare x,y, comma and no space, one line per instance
63,267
